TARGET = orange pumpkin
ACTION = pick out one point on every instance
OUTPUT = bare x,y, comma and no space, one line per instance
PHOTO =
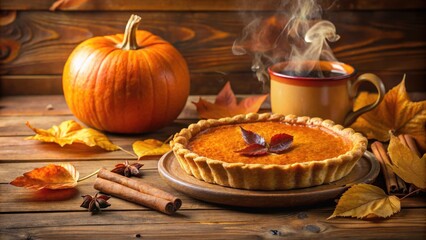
131,83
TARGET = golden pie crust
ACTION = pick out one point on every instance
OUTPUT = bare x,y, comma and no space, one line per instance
322,152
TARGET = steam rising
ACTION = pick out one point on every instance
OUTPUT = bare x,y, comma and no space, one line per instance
296,33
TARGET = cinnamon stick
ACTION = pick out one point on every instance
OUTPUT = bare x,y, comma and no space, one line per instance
390,177
409,141
402,186
131,195
140,186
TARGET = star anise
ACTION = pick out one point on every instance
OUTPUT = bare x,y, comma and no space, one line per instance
128,170
94,204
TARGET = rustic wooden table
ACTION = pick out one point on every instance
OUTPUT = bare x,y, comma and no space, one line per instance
26,214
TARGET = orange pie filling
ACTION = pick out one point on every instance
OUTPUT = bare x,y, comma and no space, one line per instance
310,143
321,152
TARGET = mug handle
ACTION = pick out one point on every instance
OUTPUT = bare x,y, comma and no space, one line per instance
353,90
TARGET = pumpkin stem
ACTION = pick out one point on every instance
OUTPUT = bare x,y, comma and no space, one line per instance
129,40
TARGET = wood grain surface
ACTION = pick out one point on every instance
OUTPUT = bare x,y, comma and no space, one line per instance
370,41
208,224
201,83
207,5
26,214
385,37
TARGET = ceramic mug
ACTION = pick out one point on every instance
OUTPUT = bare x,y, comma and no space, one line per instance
329,93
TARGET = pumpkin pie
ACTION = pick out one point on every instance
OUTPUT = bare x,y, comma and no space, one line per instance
321,152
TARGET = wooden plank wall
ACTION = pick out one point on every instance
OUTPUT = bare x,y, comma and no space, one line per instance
386,37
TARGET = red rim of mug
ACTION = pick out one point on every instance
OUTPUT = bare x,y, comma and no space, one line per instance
346,70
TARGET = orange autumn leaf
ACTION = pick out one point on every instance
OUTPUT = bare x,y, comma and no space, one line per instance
396,113
52,176
69,132
150,147
366,201
226,104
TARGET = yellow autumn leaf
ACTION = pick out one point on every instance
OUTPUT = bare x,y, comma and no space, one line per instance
406,164
69,132
366,201
150,147
52,176
396,113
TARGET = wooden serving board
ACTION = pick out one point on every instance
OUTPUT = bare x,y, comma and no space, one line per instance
365,171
